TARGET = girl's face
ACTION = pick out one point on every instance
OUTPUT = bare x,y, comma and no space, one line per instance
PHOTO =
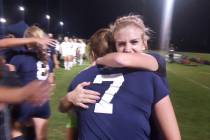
129,39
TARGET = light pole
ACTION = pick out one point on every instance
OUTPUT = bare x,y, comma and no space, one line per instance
22,10
47,16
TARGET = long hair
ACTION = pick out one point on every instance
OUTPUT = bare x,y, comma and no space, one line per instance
41,51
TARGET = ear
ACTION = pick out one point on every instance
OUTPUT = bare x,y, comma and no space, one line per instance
145,43
93,56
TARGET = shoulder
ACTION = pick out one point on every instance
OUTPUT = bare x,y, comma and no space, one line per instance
161,64
86,74
157,56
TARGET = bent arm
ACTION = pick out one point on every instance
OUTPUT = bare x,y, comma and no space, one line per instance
78,97
131,60
65,105
167,120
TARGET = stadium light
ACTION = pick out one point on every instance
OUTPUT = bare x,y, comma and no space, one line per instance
165,33
47,17
21,8
3,20
61,23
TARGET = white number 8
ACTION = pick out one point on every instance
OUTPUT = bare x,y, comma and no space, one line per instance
104,105
42,70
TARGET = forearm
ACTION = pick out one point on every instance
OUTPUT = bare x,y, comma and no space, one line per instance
134,60
12,95
65,105
167,119
11,42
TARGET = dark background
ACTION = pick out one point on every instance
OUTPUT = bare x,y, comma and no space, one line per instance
190,25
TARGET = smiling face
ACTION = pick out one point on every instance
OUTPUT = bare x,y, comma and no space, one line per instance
129,39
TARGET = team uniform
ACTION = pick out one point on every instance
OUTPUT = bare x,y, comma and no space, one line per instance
29,68
127,99
155,131
80,52
67,49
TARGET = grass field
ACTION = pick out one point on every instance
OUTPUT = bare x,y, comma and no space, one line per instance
190,94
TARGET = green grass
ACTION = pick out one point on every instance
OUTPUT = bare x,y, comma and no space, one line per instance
190,94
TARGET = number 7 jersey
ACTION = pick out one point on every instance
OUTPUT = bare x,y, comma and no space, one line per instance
124,109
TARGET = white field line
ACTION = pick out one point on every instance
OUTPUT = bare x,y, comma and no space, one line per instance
207,73
190,80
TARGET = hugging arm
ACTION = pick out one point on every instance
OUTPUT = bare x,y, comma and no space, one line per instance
78,97
131,60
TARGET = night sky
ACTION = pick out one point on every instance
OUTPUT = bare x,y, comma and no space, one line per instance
190,25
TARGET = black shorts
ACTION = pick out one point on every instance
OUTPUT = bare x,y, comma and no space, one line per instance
28,111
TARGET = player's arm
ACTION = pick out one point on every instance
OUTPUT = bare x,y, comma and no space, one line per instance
167,120
65,105
12,42
11,95
131,60
78,97
36,92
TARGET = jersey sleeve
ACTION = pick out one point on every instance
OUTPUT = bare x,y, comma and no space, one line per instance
161,68
160,89
161,64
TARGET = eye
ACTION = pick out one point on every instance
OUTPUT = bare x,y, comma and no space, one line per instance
134,42
121,44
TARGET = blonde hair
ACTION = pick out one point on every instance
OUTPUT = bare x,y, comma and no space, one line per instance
131,19
35,31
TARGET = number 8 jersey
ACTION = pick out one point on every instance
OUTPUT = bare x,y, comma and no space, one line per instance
29,68
124,109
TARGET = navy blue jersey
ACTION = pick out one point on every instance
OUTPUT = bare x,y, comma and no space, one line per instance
161,67
127,99
29,68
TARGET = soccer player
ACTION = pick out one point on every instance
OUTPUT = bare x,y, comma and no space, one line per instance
131,52
31,66
11,93
110,96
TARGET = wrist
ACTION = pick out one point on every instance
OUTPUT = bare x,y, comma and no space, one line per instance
68,98
23,93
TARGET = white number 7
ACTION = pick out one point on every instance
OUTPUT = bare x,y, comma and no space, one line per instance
104,105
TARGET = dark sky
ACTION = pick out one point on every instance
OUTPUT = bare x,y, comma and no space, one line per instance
190,26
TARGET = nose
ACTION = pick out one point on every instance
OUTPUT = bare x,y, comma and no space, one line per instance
127,48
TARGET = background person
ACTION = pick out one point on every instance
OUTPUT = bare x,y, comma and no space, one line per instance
32,65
